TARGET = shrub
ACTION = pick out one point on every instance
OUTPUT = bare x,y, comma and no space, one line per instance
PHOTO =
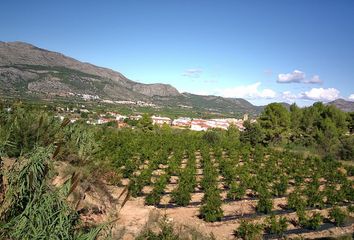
181,195
276,226
347,190
315,199
279,188
236,192
155,196
338,216
32,209
135,187
165,233
312,223
265,204
211,137
211,211
249,231
333,196
295,201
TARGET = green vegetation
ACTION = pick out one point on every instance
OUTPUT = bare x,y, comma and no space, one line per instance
312,222
320,126
338,216
262,162
276,226
31,209
249,231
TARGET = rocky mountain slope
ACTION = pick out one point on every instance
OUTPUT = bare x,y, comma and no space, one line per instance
26,70
346,106
29,68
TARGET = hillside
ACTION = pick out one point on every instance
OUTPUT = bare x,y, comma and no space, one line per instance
346,106
29,71
209,103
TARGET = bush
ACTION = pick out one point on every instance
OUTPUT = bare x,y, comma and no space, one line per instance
333,196
295,201
211,137
236,192
181,195
211,211
32,209
276,226
165,233
155,196
338,216
249,231
315,199
135,187
312,223
265,204
346,148
279,188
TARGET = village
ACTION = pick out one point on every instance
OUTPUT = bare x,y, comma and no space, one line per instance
194,124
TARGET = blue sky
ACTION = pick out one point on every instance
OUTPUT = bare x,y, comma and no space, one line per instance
277,50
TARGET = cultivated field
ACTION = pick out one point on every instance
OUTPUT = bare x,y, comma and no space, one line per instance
216,189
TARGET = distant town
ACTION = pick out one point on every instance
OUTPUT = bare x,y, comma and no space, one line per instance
120,120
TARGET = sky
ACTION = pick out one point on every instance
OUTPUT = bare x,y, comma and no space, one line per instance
264,51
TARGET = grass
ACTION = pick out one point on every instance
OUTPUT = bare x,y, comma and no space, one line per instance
33,209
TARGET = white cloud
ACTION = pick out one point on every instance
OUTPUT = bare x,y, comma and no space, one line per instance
321,94
192,73
248,92
351,97
297,76
315,79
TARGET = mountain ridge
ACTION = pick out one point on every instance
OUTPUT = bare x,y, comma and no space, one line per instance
15,54
26,69
342,104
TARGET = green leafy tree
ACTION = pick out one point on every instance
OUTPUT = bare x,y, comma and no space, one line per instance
252,134
295,122
212,137
145,123
275,120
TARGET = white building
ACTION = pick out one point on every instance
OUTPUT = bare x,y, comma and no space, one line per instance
161,120
182,122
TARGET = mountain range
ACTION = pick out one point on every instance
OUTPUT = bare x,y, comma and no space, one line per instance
26,70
